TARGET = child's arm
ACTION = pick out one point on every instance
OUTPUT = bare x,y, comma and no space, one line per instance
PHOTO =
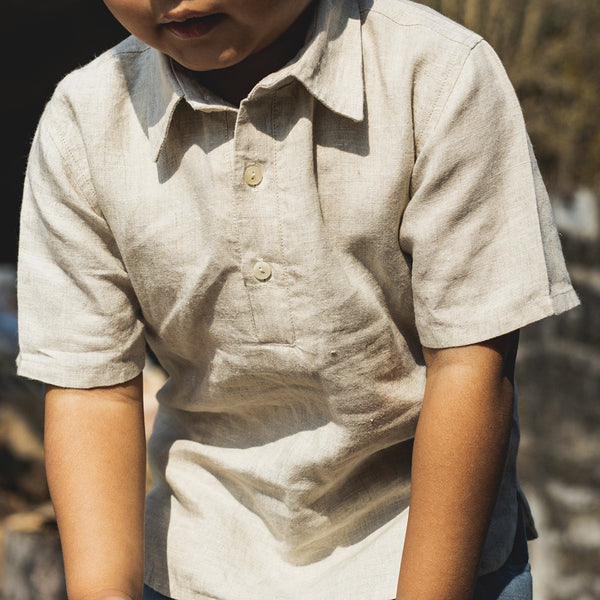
459,454
95,461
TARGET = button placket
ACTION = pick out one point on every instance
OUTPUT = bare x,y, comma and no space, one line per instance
259,220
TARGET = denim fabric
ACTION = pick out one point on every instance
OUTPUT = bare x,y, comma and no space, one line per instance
513,580
150,594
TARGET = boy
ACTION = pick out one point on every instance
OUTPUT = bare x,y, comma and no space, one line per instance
326,220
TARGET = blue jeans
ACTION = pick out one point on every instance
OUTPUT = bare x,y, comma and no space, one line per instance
512,581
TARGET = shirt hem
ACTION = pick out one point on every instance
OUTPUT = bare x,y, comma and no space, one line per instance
503,320
83,377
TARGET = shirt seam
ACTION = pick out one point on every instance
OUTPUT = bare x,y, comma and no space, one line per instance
69,158
541,246
110,55
438,104
367,11
279,227
124,47
29,365
236,220
142,51
539,307
26,357
82,183
174,74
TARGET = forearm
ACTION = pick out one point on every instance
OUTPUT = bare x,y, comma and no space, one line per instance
459,453
95,462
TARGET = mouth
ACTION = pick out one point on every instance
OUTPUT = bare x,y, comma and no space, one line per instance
194,26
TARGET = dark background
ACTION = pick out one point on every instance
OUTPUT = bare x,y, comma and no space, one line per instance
40,49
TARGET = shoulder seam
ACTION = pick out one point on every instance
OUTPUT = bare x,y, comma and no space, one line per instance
114,52
452,87
100,61
146,49
438,107
476,37
79,179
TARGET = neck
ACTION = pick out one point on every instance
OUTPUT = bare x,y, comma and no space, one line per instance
235,83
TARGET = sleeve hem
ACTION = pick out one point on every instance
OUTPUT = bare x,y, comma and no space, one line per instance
77,377
503,320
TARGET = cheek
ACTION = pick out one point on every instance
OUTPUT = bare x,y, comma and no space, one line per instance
136,17
260,13
270,18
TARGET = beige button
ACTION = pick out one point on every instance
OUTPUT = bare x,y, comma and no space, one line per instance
253,175
262,270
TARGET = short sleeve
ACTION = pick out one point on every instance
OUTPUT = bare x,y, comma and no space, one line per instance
479,230
79,323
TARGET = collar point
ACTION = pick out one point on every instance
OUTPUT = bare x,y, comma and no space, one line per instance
356,113
155,154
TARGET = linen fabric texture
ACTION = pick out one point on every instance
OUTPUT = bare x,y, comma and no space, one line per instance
400,206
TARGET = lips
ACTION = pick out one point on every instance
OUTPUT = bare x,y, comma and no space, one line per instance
194,27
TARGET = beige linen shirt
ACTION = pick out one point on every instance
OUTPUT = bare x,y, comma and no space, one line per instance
286,261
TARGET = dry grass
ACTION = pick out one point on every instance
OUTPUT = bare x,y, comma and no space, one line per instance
551,50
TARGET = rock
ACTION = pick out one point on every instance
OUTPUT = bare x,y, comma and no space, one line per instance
32,564
579,215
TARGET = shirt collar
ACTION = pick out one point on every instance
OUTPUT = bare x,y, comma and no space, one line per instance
329,66
166,95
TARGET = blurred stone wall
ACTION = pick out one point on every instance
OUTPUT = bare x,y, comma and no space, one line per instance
559,391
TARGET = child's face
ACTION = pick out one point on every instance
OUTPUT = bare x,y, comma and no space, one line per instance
207,34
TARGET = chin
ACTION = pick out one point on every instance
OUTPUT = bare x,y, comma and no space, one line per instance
203,62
